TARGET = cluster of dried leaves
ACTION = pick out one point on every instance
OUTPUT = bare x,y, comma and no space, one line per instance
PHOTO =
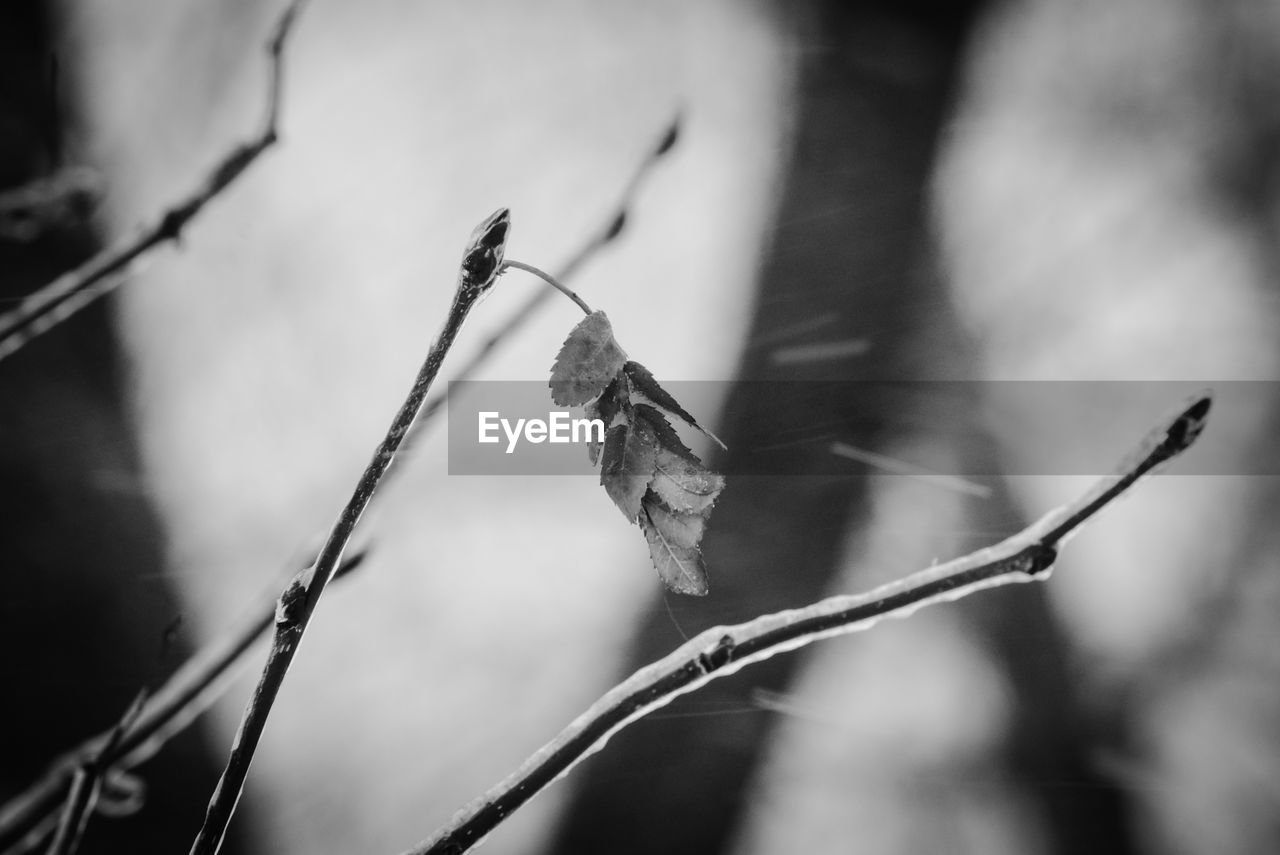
653,478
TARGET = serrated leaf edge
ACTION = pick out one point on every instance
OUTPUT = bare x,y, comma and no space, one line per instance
558,388
633,369
698,583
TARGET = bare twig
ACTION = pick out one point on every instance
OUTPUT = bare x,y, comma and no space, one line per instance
721,651
29,818
71,292
481,265
87,786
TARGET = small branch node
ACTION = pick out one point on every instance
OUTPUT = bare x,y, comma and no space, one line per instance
1036,559
718,656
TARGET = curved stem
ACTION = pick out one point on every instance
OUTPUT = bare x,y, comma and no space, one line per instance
723,650
550,280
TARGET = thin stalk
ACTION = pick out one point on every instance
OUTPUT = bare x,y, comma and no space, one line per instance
550,280
71,292
481,266
29,817
721,651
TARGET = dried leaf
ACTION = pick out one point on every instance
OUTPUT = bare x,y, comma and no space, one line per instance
666,434
588,361
591,410
643,382
627,465
680,567
606,408
681,528
647,470
685,485
611,401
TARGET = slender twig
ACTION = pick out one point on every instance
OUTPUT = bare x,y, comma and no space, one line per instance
721,651
71,292
550,280
87,786
28,818
480,267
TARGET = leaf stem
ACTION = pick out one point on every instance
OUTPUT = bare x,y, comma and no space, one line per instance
481,266
550,280
721,651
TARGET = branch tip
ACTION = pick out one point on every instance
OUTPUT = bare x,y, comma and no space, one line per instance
1190,423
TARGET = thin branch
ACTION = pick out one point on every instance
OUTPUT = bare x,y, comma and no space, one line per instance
27,819
87,786
71,292
721,651
481,265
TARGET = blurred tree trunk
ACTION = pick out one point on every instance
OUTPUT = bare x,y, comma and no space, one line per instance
84,602
847,262
850,260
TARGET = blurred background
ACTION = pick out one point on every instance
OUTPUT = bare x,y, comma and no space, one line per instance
1028,190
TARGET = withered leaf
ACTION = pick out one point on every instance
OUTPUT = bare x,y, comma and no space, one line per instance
591,410
611,402
642,380
647,470
679,527
680,567
685,485
662,429
605,408
588,361
627,464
